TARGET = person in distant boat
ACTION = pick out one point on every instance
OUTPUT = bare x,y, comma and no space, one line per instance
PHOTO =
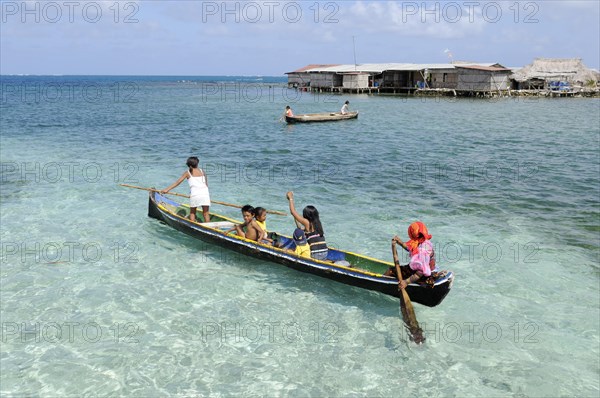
288,112
310,222
199,194
345,108
422,256
249,229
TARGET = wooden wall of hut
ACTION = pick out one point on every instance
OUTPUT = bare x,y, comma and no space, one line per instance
480,80
445,78
326,79
353,80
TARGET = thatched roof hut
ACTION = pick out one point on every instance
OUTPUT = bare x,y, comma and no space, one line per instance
570,70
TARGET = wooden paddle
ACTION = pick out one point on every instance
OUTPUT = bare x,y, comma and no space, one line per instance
279,213
410,319
406,307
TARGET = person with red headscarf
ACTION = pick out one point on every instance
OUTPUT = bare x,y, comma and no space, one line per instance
422,256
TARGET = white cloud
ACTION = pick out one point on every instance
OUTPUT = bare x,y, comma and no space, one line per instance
416,19
384,31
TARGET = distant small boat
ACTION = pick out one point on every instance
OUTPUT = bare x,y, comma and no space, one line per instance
321,117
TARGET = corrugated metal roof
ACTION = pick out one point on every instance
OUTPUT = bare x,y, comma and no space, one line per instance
416,67
372,68
312,66
462,63
379,68
484,68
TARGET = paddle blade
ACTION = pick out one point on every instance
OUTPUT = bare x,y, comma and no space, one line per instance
415,332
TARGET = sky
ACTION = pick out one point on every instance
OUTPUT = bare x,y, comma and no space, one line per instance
270,38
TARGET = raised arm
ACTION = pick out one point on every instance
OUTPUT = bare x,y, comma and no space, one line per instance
300,221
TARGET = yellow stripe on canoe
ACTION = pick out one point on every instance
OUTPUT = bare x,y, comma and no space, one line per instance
161,205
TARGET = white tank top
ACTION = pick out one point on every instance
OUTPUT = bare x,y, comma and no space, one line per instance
197,184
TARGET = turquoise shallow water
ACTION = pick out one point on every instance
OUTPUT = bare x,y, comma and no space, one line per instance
98,299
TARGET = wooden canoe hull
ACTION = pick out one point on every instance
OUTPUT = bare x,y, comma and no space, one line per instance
321,117
158,207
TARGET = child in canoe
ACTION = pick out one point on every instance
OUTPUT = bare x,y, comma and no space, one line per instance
249,229
260,215
302,247
422,256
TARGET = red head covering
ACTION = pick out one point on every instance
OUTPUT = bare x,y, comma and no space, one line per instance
417,232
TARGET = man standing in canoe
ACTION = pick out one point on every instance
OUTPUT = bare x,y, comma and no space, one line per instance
199,195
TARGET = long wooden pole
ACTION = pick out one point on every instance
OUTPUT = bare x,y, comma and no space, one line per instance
279,213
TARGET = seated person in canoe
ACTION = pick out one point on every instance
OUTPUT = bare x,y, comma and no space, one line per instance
260,215
422,256
302,248
249,229
288,112
345,109
310,222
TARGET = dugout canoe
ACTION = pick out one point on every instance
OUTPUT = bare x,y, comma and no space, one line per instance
320,117
362,271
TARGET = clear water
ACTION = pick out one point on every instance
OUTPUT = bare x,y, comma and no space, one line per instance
98,299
